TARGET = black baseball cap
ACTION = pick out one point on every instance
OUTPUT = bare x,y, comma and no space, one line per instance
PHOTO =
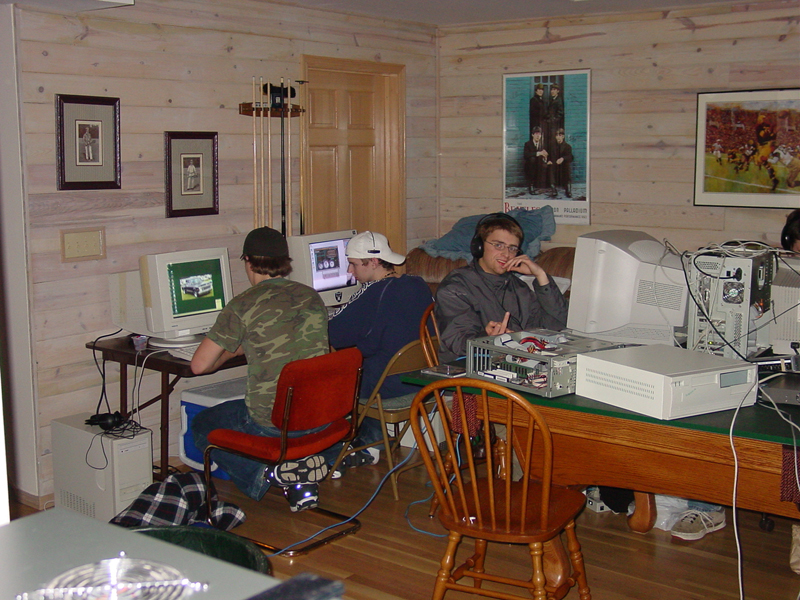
266,242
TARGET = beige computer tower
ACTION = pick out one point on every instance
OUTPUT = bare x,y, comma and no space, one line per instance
97,474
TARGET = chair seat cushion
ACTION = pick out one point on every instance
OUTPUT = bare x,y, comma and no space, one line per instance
397,403
268,449
565,504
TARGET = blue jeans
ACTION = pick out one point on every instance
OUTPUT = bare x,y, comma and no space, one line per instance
247,474
370,431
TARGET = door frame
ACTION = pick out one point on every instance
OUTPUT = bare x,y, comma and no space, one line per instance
394,134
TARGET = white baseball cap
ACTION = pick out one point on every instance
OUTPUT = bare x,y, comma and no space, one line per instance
373,245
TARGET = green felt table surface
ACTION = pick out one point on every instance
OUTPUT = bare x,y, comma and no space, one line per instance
759,422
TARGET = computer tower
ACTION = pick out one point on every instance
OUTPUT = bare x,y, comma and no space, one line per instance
731,294
95,472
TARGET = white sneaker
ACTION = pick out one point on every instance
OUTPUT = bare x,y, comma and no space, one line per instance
367,456
310,469
694,524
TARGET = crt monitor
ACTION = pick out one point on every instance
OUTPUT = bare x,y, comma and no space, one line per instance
319,261
627,287
174,296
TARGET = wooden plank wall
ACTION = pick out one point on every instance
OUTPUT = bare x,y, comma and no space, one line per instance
176,65
646,71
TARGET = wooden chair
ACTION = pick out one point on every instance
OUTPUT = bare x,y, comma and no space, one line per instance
310,393
484,502
429,336
392,411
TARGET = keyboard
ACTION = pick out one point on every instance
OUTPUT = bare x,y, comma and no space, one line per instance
183,352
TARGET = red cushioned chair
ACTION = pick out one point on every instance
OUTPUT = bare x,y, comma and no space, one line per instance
311,392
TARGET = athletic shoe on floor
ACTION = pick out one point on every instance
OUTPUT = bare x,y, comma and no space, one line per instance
367,456
694,524
302,496
310,469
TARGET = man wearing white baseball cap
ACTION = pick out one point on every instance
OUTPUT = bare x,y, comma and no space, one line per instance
380,318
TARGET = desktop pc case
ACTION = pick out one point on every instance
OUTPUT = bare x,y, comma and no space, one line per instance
733,294
95,473
195,400
666,382
538,361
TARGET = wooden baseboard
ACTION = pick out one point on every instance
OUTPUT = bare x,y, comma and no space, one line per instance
37,502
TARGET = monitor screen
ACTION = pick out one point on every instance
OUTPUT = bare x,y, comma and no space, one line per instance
627,287
195,287
320,261
174,296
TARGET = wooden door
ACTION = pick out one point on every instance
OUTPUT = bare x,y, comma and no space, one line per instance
354,160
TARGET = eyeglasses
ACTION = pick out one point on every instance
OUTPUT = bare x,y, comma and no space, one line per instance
500,246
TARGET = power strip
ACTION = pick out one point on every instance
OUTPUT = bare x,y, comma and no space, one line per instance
593,501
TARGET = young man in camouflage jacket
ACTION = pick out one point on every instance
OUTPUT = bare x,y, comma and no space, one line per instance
272,323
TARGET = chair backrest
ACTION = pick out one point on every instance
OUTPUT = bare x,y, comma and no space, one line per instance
409,358
429,336
482,495
319,390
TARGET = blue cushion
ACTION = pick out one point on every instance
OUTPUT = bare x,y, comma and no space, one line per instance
538,224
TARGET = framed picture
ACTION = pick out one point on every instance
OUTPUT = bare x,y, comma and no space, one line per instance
87,143
748,149
546,143
192,168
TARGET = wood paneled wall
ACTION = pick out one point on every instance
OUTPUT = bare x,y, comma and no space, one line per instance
186,65
176,65
646,71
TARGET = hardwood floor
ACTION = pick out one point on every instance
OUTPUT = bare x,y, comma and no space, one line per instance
388,560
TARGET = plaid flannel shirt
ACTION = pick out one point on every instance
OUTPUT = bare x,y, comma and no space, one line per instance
178,500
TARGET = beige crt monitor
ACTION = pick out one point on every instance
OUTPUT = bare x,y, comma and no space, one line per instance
174,296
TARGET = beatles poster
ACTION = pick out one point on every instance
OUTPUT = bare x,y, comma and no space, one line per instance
546,143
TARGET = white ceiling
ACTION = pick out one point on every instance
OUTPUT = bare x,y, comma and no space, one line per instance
460,12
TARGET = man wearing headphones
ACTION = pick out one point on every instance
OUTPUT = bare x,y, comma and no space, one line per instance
380,318
790,235
487,297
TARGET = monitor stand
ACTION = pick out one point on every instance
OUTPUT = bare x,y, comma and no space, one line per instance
178,342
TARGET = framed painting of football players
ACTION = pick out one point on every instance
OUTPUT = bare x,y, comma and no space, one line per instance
748,149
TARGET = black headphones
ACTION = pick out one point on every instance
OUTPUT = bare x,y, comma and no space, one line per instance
106,421
791,230
476,244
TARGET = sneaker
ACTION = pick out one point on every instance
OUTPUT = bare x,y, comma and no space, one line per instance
310,469
338,472
367,456
302,496
694,524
